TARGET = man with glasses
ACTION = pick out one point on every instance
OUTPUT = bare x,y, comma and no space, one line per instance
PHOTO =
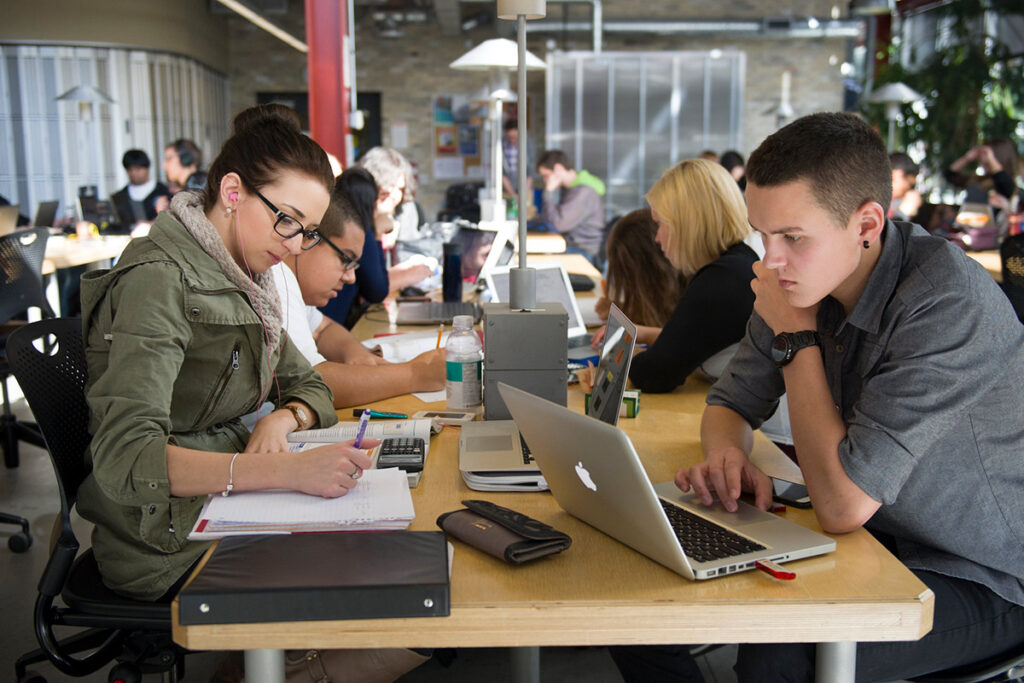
328,261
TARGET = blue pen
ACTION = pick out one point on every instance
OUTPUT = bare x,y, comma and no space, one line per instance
364,419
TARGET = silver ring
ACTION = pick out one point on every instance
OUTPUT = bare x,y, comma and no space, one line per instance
358,473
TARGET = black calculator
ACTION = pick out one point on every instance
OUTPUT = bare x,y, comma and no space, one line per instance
405,453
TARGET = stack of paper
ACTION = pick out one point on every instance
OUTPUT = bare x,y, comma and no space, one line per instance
380,502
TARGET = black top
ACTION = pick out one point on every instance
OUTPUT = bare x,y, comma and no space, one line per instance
123,204
711,315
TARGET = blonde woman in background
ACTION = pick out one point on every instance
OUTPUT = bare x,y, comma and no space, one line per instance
702,222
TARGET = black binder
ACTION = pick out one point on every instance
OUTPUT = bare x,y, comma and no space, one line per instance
314,577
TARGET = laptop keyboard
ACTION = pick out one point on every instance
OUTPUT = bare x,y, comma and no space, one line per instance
527,457
705,541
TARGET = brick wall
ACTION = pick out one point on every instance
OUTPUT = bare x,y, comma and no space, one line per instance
409,71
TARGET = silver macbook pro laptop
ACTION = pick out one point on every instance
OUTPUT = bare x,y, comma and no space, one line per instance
493,454
595,475
552,285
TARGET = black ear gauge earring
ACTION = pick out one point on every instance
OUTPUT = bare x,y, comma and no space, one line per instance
866,244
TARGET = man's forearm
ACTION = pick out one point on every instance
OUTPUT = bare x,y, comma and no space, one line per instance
722,428
818,428
355,385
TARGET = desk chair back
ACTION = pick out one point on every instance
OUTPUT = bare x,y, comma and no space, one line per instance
21,265
1012,256
21,288
48,359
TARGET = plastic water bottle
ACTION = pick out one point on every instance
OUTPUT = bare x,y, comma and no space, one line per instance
464,359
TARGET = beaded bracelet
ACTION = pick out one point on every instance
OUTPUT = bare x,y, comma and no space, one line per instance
231,477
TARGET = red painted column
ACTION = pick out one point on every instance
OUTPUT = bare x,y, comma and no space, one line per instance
326,29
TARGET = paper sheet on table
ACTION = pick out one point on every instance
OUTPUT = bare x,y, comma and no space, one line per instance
401,348
773,462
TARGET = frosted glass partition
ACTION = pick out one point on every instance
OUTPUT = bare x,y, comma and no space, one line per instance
49,148
628,116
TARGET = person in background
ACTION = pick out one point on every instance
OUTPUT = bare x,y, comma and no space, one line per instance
906,200
640,281
391,171
573,203
997,158
709,155
732,161
702,222
901,359
510,160
136,202
183,163
409,214
313,277
371,279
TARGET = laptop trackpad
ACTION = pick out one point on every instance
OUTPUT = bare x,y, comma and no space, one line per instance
493,442
747,514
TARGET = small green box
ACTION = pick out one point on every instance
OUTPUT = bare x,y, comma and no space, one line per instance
630,403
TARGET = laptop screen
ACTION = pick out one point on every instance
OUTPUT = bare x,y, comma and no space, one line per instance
613,367
552,285
476,247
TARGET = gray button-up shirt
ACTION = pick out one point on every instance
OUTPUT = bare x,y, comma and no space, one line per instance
927,371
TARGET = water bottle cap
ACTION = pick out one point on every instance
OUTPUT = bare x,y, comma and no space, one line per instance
462,322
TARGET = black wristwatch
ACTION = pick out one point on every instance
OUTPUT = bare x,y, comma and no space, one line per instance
786,344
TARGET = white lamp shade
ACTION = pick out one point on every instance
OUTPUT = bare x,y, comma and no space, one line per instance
496,53
85,93
530,9
895,92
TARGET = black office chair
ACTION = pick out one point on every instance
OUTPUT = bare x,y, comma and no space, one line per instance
21,288
1009,667
48,360
1011,253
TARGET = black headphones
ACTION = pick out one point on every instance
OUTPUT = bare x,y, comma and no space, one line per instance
184,156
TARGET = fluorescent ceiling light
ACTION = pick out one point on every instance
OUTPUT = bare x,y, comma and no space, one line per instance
270,28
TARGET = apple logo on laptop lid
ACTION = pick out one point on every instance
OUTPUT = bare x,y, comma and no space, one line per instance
584,476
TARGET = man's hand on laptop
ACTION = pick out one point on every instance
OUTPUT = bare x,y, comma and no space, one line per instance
726,473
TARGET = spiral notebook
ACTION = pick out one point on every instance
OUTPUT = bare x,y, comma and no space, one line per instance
380,502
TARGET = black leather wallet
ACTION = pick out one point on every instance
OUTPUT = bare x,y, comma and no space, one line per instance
504,533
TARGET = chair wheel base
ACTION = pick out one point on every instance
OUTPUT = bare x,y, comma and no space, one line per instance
125,672
20,542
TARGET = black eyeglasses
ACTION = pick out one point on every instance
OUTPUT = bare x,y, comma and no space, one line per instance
350,262
288,227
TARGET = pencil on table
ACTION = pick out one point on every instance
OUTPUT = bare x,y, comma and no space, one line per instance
440,329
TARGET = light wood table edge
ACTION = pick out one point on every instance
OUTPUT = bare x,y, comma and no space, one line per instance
586,624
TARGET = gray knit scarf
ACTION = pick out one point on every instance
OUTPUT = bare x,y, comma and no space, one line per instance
187,209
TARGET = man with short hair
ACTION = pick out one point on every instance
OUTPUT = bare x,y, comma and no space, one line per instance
311,279
136,202
579,212
905,199
902,363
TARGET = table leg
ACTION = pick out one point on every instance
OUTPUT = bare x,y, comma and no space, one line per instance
525,664
836,662
264,666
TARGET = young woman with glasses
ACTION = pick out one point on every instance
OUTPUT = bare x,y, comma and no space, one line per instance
183,336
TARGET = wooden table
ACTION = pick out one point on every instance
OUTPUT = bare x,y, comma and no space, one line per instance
601,592
65,252
992,261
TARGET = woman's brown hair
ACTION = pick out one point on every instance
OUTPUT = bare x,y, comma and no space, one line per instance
641,281
266,140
